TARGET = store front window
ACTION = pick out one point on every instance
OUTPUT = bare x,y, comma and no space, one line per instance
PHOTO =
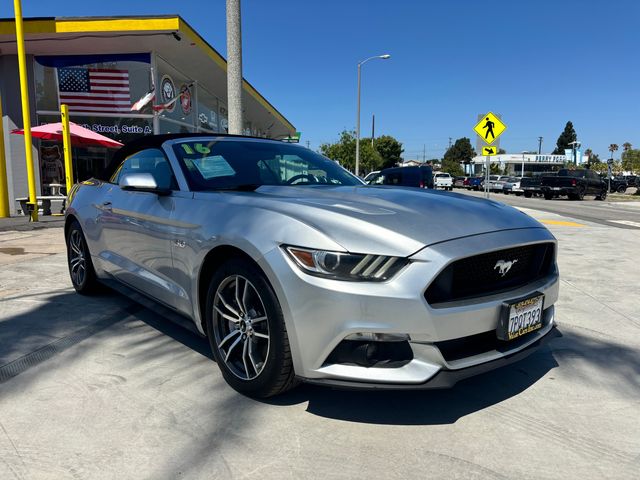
99,90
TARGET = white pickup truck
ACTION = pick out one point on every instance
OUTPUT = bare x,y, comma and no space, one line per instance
443,180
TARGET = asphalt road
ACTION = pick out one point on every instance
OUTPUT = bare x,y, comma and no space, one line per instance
101,388
610,213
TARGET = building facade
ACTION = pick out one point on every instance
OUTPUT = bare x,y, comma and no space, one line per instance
515,163
100,67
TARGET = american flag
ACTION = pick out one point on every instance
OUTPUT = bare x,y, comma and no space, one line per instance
94,89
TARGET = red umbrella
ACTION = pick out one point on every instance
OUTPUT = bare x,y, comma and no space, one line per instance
79,135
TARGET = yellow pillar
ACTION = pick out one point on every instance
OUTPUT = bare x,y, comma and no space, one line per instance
26,112
4,186
66,142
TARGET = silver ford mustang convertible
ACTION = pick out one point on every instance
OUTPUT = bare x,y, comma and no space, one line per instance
295,270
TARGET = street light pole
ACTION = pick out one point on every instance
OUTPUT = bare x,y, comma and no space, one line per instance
575,145
523,152
383,57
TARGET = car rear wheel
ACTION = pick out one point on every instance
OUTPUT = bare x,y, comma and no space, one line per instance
246,331
83,276
548,196
622,189
528,194
602,196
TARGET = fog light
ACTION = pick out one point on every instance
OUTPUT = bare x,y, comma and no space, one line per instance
378,337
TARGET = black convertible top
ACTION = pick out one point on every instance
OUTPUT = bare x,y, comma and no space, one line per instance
156,141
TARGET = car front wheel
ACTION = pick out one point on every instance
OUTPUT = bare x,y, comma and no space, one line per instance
246,331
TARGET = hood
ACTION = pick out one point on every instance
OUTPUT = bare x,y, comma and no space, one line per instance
388,220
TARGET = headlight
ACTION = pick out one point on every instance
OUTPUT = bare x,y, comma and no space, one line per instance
346,266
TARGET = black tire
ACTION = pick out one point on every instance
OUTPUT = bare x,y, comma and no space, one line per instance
236,353
602,196
580,195
548,196
528,194
81,271
622,189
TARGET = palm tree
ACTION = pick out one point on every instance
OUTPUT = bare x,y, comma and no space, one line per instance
626,146
613,148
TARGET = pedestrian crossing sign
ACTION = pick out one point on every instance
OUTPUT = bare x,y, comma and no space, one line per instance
489,151
489,128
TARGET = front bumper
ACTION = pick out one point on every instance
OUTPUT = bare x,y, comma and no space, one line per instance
320,314
445,378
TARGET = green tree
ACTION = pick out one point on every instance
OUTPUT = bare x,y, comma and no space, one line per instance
344,152
631,160
452,167
390,150
460,152
565,138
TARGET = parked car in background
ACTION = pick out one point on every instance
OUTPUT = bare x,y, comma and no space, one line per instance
370,175
575,184
474,183
531,185
512,185
616,184
632,180
443,180
496,183
418,176
293,269
459,182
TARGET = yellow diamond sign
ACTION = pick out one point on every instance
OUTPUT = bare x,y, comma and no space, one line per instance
489,128
489,151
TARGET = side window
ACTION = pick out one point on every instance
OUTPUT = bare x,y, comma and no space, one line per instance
151,161
393,178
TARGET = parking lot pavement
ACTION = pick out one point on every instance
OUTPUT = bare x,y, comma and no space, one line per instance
100,387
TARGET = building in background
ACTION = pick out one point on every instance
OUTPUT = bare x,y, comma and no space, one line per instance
100,67
511,163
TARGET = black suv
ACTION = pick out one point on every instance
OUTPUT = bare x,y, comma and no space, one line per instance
421,177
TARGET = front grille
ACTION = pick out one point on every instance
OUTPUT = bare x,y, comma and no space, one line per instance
481,275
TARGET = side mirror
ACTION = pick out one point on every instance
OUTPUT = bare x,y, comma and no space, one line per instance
141,182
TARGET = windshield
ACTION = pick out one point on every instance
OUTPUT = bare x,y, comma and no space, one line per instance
213,164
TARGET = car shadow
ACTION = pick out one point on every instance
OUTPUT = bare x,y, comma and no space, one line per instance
422,407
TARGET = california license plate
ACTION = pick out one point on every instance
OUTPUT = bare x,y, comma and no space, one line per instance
521,317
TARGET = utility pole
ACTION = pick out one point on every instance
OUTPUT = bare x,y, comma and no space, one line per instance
424,153
234,67
539,145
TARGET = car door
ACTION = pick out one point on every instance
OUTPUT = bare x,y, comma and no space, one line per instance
137,229
594,182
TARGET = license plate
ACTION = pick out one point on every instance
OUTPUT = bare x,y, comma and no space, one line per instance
521,317
555,188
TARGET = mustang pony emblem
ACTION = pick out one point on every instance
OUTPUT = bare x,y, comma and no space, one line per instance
504,266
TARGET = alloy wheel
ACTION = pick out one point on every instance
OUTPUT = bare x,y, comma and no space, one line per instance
77,258
241,327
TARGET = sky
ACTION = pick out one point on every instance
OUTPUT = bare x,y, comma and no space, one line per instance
537,63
